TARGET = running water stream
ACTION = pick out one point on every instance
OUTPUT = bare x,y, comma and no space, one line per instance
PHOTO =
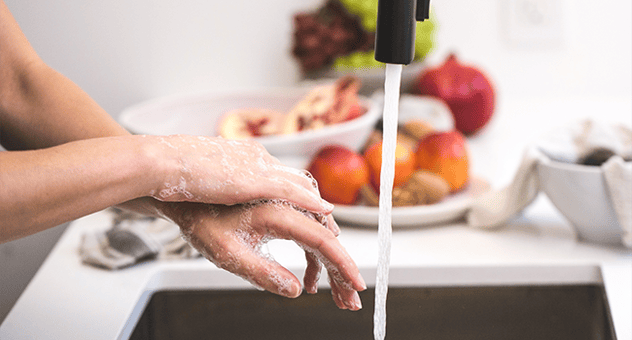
392,83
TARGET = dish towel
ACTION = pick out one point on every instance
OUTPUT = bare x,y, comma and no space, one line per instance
618,176
132,239
493,208
570,144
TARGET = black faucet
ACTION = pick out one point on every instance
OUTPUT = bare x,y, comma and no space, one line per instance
395,32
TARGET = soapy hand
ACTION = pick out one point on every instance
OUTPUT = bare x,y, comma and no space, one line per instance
220,171
232,238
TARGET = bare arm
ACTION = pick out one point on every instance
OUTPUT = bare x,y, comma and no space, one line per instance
42,188
69,158
39,107
44,112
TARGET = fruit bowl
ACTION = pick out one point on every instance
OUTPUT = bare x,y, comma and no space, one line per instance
199,114
452,208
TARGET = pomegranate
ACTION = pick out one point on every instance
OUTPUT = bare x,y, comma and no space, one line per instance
466,90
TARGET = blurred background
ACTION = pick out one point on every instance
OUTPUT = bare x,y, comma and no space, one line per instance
122,52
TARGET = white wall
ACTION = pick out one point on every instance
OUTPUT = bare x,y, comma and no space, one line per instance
126,51
594,57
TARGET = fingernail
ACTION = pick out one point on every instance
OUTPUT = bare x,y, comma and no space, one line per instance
362,283
333,226
326,205
311,289
356,300
341,303
291,291
336,227
295,290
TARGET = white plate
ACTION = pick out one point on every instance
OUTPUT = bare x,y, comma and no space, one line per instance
450,209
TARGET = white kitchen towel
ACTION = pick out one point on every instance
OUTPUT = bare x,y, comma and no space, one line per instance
618,174
132,239
495,208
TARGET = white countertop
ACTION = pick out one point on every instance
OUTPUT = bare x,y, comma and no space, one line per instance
69,300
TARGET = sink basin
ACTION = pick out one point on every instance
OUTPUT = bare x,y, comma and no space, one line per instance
546,312
545,303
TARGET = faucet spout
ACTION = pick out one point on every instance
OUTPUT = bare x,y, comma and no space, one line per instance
423,10
395,31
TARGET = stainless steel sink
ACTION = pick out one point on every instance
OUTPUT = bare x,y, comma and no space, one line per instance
542,311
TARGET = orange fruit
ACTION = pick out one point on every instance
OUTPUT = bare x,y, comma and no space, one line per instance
445,154
404,163
340,174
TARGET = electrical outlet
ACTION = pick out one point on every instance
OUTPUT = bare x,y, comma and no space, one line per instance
532,23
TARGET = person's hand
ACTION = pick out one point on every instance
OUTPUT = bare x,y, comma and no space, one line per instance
220,171
232,237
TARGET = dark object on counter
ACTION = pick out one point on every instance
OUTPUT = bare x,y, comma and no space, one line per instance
597,157
379,125
564,312
395,32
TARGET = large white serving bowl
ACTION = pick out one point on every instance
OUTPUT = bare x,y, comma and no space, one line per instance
199,114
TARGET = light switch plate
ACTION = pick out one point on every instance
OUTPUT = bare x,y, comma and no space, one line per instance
532,23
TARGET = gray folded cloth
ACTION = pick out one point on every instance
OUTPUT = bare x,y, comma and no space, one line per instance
132,239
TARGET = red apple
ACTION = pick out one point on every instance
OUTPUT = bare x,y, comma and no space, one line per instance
404,164
445,154
466,90
340,174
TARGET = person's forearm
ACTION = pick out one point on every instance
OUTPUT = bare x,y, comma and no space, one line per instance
39,107
47,109
43,188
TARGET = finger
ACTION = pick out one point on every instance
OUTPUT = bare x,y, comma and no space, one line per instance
332,254
300,176
335,296
274,278
332,225
286,190
306,180
318,240
346,297
312,273
262,272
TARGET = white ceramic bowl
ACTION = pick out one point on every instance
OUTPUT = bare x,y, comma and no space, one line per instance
199,114
579,192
